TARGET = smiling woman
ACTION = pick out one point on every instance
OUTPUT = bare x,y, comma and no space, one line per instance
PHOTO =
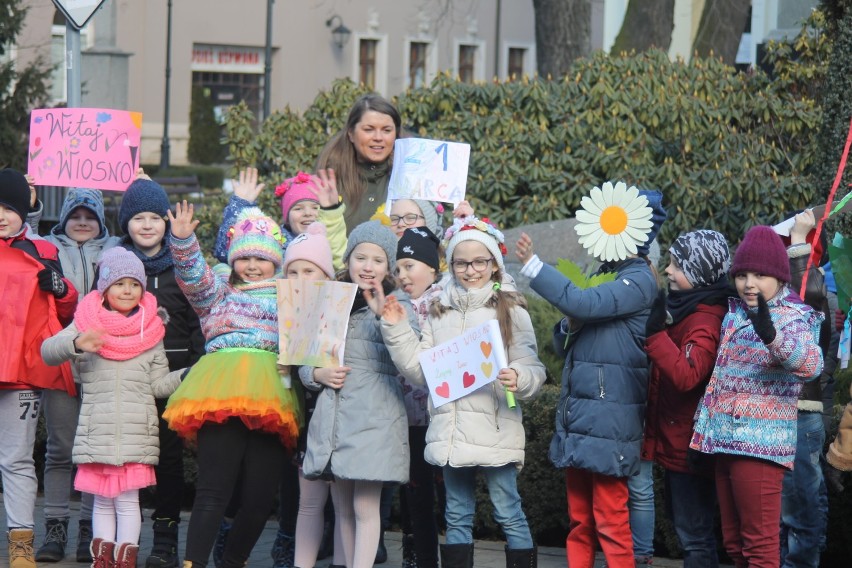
361,155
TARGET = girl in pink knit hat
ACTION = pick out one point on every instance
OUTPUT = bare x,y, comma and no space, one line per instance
116,340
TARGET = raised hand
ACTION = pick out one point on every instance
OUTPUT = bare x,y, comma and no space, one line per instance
804,222
182,223
247,187
657,319
332,377
393,312
762,321
375,297
89,341
140,174
462,210
31,182
326,192
524,248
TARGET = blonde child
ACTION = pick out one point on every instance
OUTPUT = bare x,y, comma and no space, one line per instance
475,294
233,402
358,434
747,416
116,341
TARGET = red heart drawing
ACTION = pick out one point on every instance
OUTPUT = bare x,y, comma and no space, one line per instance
468,379
443,390
38,141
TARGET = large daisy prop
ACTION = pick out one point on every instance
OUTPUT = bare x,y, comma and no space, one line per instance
612,221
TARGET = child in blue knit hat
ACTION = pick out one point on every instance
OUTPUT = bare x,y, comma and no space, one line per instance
142,216
233,402
81,236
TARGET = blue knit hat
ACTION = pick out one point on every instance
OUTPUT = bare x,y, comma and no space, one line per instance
658,215
91,199
143,196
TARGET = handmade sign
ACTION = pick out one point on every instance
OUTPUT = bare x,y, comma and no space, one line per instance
313,317
432,170
464,364
84,147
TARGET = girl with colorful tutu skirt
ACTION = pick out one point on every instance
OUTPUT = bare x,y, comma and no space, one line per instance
116,343
233,404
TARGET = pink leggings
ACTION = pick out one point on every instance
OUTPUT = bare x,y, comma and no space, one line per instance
357,512
309,523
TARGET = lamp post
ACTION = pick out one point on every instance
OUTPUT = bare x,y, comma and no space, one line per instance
267,64
164,145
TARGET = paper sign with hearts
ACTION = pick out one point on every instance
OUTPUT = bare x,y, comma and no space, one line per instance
464,364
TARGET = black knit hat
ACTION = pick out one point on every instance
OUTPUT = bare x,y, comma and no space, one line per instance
15,192
420,244
143,196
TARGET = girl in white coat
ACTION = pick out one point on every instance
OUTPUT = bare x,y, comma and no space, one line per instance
116,342
481,429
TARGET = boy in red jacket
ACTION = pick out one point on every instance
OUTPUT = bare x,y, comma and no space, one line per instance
35,302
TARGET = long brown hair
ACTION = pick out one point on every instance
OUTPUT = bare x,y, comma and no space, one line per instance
339,152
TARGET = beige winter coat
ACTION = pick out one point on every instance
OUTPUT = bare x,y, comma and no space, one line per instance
840,451
118,421
478,429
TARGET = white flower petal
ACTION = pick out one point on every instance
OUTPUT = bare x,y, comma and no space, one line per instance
590,206
584,216
636,234
597,196
618,193
633,193
638,204
610,253
606,192
630,244
620,249
600,245
587,228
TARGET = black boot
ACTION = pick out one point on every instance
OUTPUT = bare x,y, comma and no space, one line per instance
164,553
381,551
523,558
456,556
55,539
409,556
84,542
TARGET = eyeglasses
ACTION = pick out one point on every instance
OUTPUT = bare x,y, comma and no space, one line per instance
407,220
479,264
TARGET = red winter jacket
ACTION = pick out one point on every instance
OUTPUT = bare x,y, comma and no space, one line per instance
682,359
28,316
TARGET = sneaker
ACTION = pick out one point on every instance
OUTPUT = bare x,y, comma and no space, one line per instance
55,539
164,553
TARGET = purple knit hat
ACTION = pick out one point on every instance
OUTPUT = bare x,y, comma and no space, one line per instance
117,263
762,251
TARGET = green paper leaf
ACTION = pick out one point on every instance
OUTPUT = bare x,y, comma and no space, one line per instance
581,279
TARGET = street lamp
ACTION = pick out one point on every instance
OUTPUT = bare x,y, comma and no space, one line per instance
340,34
267,64
164,146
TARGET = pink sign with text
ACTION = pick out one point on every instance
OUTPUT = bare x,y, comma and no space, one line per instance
95,148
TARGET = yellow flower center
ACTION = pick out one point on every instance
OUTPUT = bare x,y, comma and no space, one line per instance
613,220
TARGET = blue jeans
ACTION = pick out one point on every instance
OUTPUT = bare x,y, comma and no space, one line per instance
641,507
803,497
691,503
460,483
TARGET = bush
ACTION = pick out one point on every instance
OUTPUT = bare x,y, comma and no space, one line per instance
205,139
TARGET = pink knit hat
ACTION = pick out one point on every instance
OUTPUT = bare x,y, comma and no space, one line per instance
293,190
312,245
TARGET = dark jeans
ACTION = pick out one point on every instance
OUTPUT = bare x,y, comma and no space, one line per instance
288,498
418,501
228,453
169,471
691,501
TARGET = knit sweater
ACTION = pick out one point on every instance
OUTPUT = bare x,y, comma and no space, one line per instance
749,406
231,316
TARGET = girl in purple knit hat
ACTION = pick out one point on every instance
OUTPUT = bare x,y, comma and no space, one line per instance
747,417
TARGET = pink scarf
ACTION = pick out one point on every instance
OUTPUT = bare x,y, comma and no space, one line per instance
124,337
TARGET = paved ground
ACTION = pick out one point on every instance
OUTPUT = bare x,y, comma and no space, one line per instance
487,553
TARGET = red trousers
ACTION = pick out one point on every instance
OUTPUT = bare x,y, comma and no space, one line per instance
597,509
749,492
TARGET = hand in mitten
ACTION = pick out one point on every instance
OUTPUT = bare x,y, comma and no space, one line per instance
51,281
762,321
657,319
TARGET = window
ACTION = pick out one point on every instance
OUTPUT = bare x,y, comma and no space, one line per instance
367,62
467,63
516,62
417,53
227,89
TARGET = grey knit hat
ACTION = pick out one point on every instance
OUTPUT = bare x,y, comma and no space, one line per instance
431,216
375,233
702,255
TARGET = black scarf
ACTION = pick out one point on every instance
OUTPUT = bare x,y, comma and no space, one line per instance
681,303
156,264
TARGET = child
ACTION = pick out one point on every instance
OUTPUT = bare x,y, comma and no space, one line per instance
142,217
747,417
308,257
233,401
479,430
407,213
682,338
357,435
419,274
601,410
36,302
80,236
116,339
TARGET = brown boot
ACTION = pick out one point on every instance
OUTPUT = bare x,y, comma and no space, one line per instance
103,556
125,556
21,553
